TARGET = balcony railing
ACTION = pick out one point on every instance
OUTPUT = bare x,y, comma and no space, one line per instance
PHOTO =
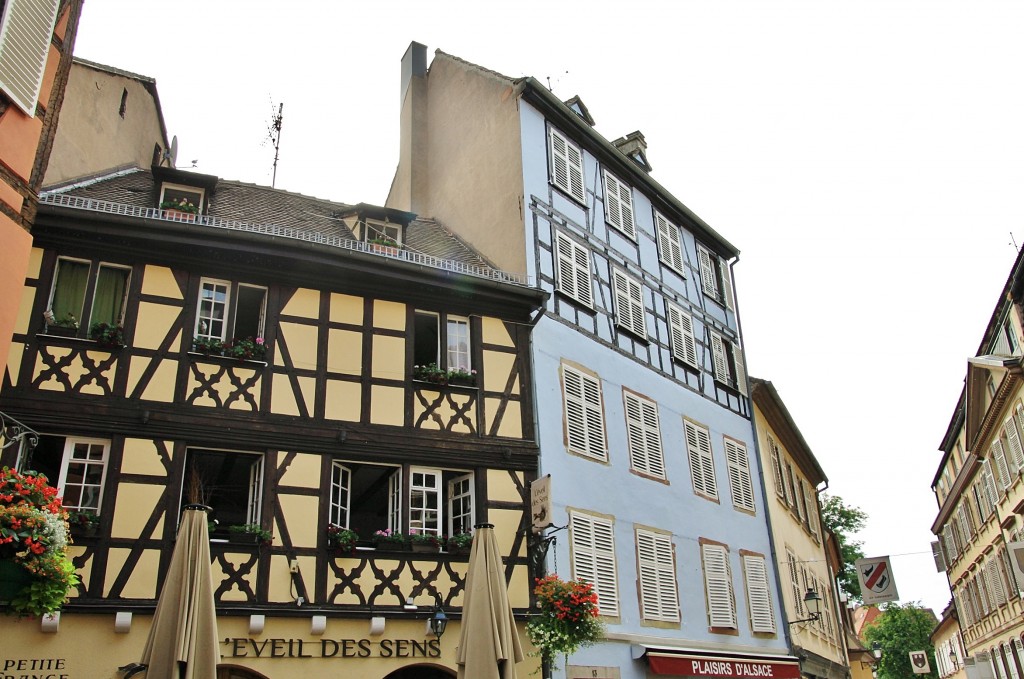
418,258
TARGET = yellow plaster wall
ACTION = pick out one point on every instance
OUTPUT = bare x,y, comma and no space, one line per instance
142,583
305,303
84,571
159,281
24,317
346,309
35,263
500,487
302,472
51,383
388,358
506,525
153,323
235,560
297,511
344,352
445,411
497,367
225,386
511,420
343,401
282,399
161,386
135,503
388,315
14,356
494,332
302,345
141,457
387,405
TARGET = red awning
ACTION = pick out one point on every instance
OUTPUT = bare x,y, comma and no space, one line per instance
720,666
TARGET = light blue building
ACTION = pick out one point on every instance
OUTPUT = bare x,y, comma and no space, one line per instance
643,415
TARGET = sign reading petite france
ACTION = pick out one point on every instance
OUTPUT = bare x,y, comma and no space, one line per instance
721,668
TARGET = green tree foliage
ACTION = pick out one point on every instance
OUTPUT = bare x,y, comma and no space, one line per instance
845,521
899,631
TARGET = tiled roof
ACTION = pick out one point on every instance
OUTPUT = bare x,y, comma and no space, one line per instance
236,201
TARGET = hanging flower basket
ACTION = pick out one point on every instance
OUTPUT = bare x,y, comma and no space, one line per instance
567,620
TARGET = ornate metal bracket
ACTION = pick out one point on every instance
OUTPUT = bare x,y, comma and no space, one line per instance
539,545
16,434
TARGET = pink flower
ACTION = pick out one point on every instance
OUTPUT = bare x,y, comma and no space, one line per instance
259,340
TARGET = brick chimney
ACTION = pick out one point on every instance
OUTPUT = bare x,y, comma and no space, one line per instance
634,147
409,187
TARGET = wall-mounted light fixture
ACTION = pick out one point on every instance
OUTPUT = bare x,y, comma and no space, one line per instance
438,621
813,603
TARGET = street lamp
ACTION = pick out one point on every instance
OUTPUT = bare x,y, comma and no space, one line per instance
953,659
876,650
813,603
438,621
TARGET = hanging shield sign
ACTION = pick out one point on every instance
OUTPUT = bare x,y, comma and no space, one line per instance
919,662
876,582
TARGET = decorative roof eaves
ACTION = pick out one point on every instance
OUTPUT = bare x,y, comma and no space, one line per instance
535,92
774,408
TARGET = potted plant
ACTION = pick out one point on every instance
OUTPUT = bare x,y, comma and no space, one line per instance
383,245
83,523
35,571
460,543
249,534
65,326
424,542
107,335
429,373
463,377
389,539
248,349
341,540
567,620
211,346
183,208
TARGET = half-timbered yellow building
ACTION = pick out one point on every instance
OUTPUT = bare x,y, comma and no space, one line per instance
295,364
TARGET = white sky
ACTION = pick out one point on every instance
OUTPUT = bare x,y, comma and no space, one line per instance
866,158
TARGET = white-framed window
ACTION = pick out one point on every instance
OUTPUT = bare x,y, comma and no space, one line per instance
618,205
629,303
684,343
714,276
26,29
432,330
229,481
759,596
670,247
1000,468
659,594
371,497
702,465
566,165
178,194
383,233
739,475
721,601
728,363
584,413
70,298
76,466
573,269
643,435
227,310
592,541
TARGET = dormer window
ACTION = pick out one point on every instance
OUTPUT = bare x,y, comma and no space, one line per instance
382,233
187,199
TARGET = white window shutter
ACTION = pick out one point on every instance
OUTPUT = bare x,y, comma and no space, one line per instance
708,279
762,614
810,499
718,587
566,165
25,34
741,373
577,187
702,468
584,418
659,598
669,246
1001,469
643,435
593,558
573,269
723,269
1016,452
684,344
629,304
739,475
776,467
721,363
618,205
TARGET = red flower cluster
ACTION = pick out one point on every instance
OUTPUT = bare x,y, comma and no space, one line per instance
569,601
28,489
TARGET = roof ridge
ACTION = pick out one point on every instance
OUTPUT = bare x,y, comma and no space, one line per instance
484,69
114,70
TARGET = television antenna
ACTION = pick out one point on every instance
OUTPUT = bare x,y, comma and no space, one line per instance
274,135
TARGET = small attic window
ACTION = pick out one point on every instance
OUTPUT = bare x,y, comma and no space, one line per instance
177,197
382,233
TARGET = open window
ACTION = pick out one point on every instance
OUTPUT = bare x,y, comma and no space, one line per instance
183,198
230,482
382,233
226,309
85,293
76,466
371,497
442,340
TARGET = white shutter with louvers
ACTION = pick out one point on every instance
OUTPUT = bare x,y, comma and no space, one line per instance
702,468
741,373
708,277
1015,454
573,270
659,598
989,482
618,205
643,435
723,269
776,467
669,245
794,583
759,598
26,29
721,362
629,304
1002,471
584,419
684,344
566,165
812,510
739,475
718,587
593,558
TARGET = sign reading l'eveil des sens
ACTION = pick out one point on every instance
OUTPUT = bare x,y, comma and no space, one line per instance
243,647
